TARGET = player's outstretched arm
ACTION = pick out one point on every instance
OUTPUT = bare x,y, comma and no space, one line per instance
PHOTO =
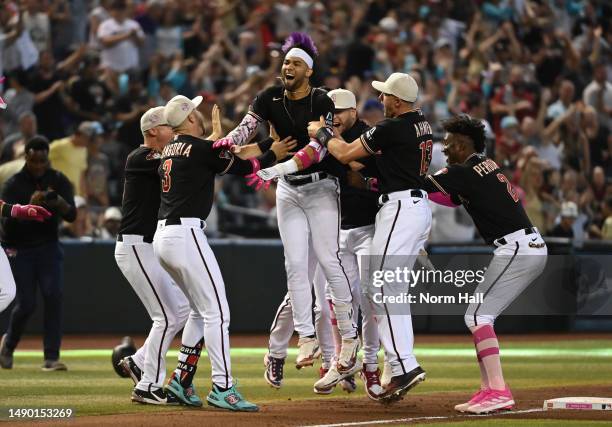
344,152
241,133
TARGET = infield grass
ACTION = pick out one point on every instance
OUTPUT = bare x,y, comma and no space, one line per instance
91,387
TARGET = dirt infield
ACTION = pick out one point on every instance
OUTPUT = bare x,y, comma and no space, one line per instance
414,409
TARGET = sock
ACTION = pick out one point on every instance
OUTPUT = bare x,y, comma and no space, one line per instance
344,318
188,363
484,380
335,331
487,347
371,367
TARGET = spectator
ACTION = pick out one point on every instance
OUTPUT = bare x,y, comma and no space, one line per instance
98,172
89,98
36,255
569,213
598,94
14,144
69,155
20,98
127,111
81,228
120,37
37,23
566,97
111,223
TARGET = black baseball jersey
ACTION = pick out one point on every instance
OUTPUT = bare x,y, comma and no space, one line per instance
402,146
140,192
358,206
291,118
187,170
486,194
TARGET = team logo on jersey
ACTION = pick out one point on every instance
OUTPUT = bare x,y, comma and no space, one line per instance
329,119
369,133
153,155
224,154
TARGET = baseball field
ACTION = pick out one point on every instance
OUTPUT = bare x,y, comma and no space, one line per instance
537,368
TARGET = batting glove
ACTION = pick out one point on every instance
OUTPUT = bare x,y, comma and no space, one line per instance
225,143
30,212
256,182
372,184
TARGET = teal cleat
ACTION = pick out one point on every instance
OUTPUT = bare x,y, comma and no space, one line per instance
186,395
230,399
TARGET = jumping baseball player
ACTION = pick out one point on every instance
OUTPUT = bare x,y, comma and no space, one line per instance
476,182
307,203
402,145
188,167
26,213
164,301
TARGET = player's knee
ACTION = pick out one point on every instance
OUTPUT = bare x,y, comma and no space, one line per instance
472,321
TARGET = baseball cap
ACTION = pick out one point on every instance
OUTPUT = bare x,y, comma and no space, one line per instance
342,99
153,117
569,210
372,104
178,108
399,84
509,121
90,129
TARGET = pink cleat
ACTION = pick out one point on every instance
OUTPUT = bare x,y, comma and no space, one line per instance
476,397
493,401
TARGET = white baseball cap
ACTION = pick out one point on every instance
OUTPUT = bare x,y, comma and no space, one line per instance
342,98
399,84
152,118
569,210
178,108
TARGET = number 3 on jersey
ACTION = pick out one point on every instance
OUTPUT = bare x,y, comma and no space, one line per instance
167,179
426,150
502,178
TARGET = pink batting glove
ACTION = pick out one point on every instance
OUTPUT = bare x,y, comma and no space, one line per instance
372,184
254,181
225,143
30,212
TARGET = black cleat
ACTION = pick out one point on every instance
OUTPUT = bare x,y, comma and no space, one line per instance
154,397
129,367
401,384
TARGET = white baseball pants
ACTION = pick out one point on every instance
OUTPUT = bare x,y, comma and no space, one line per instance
7,282
314,207
513,267
164,301
183,251
401,230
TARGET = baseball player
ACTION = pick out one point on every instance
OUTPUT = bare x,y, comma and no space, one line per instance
305,201
23,212
402,145
520,256
164,301
188,167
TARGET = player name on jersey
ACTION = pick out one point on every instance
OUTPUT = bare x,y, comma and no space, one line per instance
177,149
422,128
485,167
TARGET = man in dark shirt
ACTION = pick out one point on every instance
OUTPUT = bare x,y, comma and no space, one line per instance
477,182
308,202
165,302
569,213
402,147
33,249
188,167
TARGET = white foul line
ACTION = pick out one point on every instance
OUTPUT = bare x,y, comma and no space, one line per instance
409,420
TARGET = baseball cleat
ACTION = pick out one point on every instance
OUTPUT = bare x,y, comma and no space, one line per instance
130,369
493,401
322,372
371,380
348,384
154,397
401,384
53,365
230,399
334,376
347,360
385,378
307,350
476,397
274,370
186,395
6,356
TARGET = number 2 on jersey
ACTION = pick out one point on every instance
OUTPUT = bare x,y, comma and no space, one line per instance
510,188
167,180
426,149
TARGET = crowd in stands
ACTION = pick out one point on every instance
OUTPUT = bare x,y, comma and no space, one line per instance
537,72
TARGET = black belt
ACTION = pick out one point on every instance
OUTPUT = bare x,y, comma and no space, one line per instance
297,180
146,239
529,230
177,221
413,193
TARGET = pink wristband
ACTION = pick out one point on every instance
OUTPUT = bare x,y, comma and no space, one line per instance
442,199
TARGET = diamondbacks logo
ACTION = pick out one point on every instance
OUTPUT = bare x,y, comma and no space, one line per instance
154,118
224,154
153,155
329,120
368,134
184,106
